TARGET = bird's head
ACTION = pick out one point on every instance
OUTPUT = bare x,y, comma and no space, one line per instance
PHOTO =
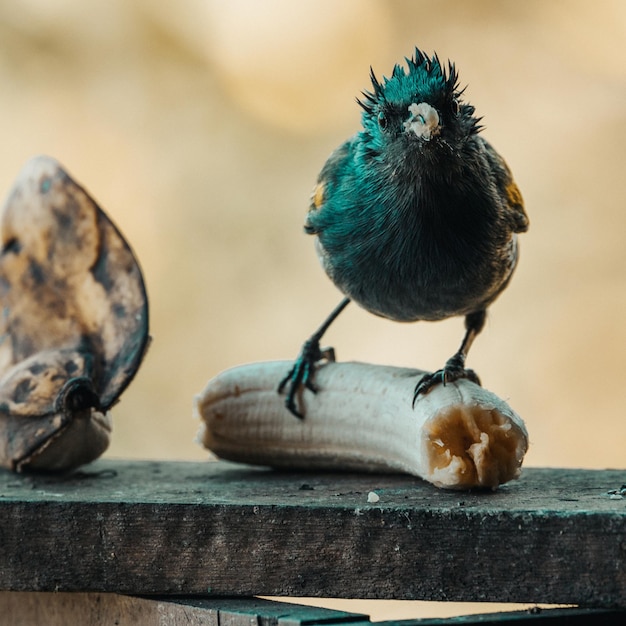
418,106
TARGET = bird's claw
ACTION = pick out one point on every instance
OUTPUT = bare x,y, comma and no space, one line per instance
300,376
454,369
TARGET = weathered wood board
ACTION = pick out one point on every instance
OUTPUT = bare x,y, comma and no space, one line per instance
24,608
99,609
554,536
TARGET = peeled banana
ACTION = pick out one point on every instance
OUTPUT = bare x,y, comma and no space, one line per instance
457,436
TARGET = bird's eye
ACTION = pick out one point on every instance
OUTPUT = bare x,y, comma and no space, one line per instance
382,120
455,107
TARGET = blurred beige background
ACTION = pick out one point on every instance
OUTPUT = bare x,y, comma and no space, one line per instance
200,128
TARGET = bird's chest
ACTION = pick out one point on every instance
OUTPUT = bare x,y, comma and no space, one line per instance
420,232
413,253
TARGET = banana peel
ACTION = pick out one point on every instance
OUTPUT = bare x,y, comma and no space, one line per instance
73,324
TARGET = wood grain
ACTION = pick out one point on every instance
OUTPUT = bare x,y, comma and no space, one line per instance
105,609
554,536
95,609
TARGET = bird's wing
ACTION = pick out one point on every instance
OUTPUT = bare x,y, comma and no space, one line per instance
516,213
332,170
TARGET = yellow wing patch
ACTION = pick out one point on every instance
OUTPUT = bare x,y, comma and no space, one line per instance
517,214
513,194
317,197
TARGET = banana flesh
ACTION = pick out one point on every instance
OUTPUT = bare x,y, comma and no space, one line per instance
457,436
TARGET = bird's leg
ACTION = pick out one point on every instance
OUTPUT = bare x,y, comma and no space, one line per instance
455,365
301,374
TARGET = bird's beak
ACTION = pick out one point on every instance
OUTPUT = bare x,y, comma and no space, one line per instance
423,121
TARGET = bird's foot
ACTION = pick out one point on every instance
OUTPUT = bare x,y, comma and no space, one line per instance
300,376
454,369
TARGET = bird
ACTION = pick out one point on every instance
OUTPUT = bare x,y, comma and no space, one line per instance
415,217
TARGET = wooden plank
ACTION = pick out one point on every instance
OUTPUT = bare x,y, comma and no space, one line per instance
98,609
555,536
95,609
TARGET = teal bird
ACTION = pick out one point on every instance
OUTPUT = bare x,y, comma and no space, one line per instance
415,216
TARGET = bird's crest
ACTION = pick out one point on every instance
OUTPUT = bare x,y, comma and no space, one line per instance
421,67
